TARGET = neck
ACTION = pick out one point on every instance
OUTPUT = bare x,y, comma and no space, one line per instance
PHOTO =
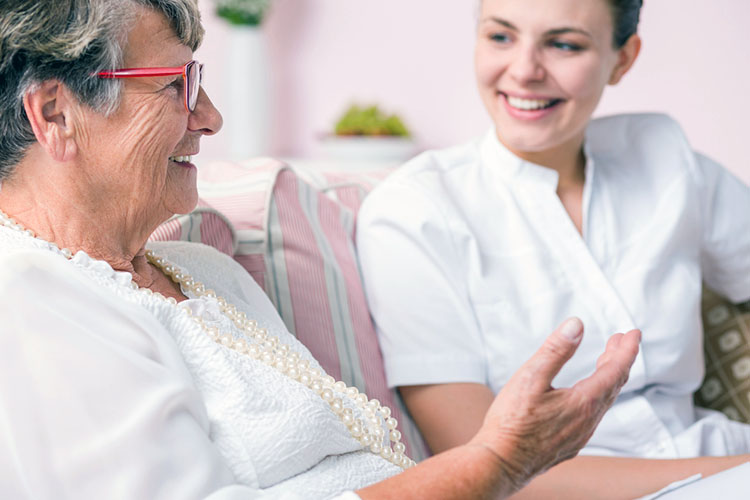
64,214
567,159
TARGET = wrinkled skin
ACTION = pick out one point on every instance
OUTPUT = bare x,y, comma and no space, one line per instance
531,427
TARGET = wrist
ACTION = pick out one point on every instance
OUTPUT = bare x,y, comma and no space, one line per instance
504,476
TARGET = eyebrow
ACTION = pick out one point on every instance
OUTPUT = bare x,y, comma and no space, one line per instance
553,32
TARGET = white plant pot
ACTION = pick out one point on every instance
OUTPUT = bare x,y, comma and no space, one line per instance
248,110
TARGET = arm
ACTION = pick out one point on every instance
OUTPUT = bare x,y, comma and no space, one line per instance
725,206
529,426
448,415
94,396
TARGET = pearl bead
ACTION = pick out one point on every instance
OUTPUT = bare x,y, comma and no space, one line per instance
316,386
272,352
67,253
240,346
357,428
327,395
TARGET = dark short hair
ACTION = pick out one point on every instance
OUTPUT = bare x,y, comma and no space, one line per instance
625,17
69,41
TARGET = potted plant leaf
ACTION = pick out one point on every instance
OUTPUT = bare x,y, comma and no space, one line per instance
366,133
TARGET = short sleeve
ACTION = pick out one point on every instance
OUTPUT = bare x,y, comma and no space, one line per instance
725,252
415,281
95,401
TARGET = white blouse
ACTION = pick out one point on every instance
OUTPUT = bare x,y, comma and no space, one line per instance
107,392
470,260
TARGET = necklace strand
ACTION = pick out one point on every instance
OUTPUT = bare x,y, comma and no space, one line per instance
377,431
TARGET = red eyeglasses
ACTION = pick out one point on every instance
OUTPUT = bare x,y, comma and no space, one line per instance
192,73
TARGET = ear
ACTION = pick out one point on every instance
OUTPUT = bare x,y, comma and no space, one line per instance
626,56
49,109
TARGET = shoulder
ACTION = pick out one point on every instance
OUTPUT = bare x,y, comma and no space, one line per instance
645,148
423,181
646,133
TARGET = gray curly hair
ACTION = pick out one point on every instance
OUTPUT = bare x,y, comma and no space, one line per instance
69,41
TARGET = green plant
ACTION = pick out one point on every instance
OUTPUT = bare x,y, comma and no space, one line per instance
243,12
370,121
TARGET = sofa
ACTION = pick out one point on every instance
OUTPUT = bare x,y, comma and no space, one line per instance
292,229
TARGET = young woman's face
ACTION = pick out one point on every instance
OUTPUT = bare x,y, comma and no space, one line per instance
541,67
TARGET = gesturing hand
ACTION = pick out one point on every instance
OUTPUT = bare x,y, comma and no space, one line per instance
530,426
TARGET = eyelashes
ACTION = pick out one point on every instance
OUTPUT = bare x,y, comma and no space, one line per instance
561,45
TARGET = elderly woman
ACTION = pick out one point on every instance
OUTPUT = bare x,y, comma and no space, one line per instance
124,376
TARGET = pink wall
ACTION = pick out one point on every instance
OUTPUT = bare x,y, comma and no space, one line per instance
415,57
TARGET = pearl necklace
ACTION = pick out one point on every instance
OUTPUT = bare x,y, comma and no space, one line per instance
377,431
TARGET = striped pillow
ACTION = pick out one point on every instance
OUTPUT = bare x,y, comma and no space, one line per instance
203,225
295,233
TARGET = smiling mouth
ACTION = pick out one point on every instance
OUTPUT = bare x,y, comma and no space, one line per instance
530,104
181,159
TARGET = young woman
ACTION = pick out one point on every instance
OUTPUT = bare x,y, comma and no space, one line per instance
471,254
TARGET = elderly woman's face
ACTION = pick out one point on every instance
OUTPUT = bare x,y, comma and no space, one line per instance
541,68
130,150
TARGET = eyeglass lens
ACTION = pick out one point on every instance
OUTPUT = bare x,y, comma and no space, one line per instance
192,73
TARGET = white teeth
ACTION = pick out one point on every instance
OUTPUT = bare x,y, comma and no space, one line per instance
528,104
181,159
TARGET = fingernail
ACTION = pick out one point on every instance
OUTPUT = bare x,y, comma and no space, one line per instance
572,329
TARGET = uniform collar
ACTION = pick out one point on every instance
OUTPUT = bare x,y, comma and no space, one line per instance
510,167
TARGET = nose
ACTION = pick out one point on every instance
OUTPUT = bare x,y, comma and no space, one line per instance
526,66
206,119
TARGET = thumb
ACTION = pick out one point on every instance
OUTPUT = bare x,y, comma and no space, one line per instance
555,352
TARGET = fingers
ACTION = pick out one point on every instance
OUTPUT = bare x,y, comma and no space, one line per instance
612,368
554,353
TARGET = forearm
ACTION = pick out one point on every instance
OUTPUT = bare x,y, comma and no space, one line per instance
469,471
613,478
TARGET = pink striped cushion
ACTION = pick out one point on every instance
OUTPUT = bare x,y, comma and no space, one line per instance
295,237
203,225
313,280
